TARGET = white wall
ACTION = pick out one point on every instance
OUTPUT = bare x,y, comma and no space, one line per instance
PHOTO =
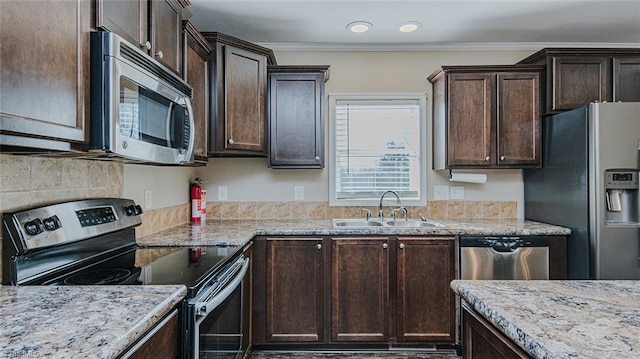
250,179
169,185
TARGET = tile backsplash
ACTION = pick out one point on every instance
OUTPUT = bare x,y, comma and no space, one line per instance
320,210
156,220
29,181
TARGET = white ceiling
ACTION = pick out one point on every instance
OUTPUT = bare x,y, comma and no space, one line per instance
509,24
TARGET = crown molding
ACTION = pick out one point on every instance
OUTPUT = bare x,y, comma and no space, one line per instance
470,46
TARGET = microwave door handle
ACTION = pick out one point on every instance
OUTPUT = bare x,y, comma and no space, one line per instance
192,131
167,123
202,308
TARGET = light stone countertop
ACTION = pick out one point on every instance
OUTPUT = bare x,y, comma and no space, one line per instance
242,231
561,319
77,321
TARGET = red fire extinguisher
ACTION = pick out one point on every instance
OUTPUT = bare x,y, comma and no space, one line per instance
196,201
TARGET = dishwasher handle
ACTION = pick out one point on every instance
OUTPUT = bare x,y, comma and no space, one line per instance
505,243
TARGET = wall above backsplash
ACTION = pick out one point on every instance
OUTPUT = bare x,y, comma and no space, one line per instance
250,179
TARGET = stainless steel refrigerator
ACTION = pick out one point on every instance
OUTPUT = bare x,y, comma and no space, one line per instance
589,183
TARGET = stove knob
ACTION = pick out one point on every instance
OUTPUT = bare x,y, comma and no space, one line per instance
52,223
138,209
34,227
130,210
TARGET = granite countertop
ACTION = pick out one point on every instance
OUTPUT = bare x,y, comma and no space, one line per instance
242,231
561,319
76,321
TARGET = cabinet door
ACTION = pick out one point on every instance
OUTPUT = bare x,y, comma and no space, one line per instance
245,84
469,119
166,33
296,120
426,303
359,289
483,341
44,73
295,290
579,80
518,119
129,19
161,342
626,79
196,73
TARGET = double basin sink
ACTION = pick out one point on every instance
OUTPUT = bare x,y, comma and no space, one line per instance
377,223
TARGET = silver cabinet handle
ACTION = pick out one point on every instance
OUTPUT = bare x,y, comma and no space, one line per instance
317,158
487,158
146,45
319,246
385,246
230,141
502,158
401,246
159,54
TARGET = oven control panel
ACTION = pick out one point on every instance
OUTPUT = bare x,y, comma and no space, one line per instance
68,222
96,216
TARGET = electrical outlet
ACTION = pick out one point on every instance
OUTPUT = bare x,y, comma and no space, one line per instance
440,193
457,193
222,193
148,198
298,193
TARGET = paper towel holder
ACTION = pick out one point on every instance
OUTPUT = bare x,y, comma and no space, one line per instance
467,177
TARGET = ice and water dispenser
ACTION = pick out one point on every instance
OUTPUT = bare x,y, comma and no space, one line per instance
621,191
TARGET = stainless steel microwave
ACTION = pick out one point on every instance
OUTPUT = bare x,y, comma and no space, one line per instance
140,110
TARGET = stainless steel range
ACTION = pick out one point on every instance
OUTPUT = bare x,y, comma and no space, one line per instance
92,242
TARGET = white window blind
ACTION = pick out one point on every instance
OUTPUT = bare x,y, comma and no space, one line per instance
378,146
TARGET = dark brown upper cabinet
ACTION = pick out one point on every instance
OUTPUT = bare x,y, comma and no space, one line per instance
153,25
296,116
44,75
578,76
486,116
238,87
197,52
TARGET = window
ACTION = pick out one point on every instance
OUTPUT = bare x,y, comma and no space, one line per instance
377,143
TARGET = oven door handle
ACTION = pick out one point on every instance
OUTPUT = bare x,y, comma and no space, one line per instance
202,308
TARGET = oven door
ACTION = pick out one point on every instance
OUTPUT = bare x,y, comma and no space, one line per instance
219,313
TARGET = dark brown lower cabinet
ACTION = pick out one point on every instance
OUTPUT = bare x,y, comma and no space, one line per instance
160,342
483,341
359,289
353,292
426,304
292,273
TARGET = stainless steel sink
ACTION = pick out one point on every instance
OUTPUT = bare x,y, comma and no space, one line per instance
356,223
413,223
361,223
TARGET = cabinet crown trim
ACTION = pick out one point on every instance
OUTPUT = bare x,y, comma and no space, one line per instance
568,51
439,72
300,69
192,32
218,37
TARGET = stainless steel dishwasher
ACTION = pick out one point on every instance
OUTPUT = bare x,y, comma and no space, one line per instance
504,257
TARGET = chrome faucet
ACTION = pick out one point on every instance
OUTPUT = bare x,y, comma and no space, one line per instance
380,211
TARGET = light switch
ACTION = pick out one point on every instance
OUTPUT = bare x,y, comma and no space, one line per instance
457,193
440,193
222,193
148,199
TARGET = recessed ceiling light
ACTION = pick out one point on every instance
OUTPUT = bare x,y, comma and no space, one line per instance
359,26
409,26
